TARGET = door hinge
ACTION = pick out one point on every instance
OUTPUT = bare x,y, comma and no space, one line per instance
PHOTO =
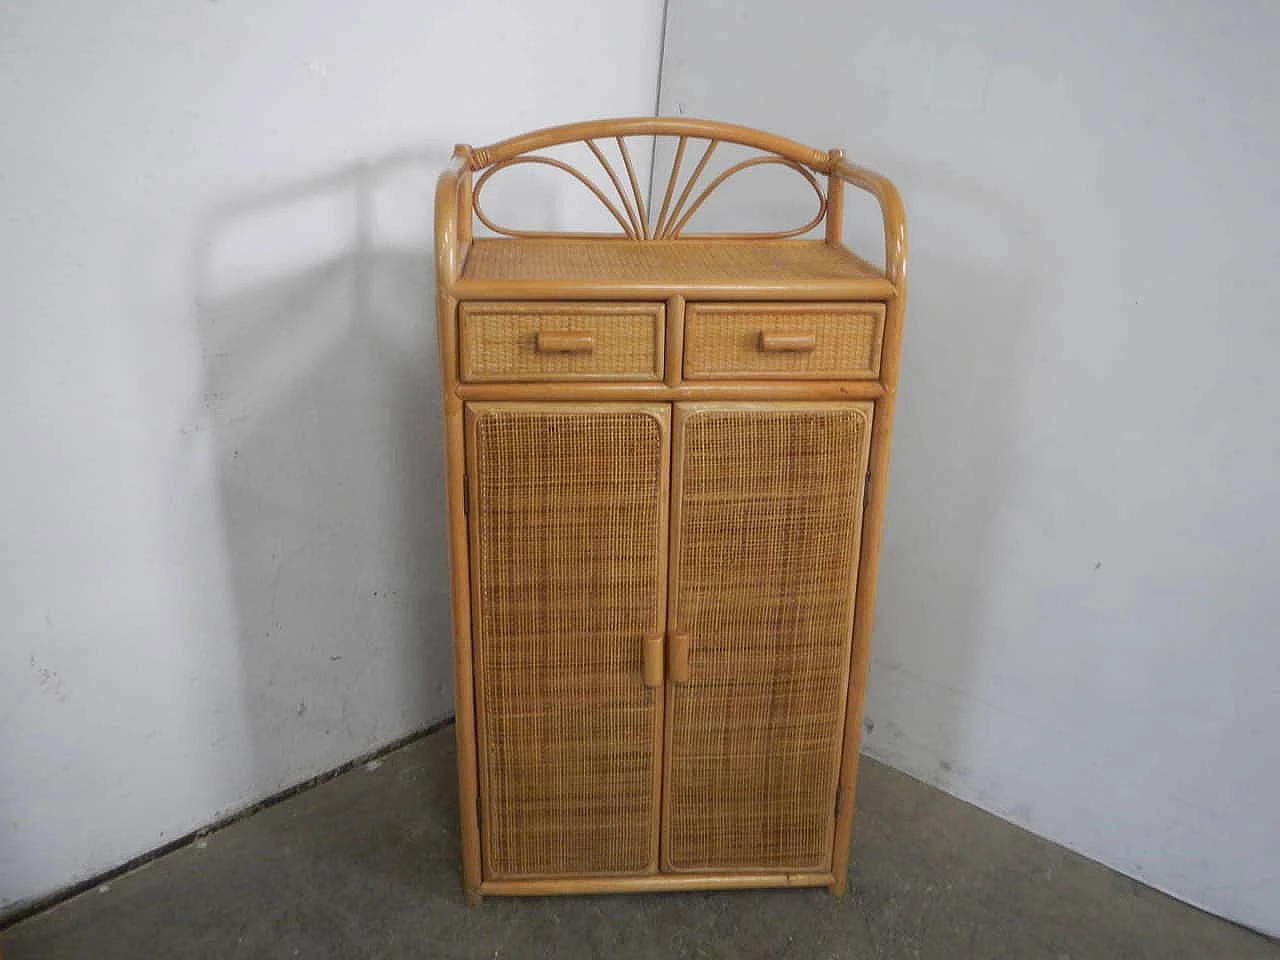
466,494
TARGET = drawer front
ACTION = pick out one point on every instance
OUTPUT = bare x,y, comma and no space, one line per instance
503,341
809,341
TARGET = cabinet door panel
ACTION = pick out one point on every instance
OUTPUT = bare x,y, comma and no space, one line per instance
767,511
568,521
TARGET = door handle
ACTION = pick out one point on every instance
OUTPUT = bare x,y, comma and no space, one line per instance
653,661
678,658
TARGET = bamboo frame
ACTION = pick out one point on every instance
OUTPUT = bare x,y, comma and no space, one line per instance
835,200
869,565
875,288
686,390
652,884
856,282
650,126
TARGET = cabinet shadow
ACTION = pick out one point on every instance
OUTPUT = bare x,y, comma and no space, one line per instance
316,319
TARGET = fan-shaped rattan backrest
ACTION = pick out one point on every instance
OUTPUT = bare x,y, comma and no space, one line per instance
684,193
458,192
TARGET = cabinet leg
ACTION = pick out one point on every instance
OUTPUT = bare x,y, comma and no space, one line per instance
838,885
473,897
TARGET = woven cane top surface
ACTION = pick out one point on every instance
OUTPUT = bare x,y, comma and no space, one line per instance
678,263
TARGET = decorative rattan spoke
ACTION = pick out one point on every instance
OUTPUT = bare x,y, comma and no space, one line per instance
632,216
747,164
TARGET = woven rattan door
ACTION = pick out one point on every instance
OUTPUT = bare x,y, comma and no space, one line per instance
767,511
568,529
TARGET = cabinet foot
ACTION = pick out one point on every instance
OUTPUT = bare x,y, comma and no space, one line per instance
837,887
473,897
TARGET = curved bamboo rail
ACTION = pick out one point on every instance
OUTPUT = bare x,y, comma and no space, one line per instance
629,210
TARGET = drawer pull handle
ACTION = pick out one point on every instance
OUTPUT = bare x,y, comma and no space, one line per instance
788,342
678,658
565,341
653,661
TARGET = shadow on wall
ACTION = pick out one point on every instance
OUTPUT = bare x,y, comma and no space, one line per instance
961,419
316,314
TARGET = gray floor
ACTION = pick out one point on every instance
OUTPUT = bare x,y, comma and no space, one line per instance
365,866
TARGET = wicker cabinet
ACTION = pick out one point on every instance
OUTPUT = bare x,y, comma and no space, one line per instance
667,458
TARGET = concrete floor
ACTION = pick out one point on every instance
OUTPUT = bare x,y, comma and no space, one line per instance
365,865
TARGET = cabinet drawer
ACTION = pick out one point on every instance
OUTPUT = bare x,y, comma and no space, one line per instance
808,341
561,341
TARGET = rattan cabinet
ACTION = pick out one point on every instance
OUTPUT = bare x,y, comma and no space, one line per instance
666,466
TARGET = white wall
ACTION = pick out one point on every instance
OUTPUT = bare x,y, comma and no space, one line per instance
1078,613
222,566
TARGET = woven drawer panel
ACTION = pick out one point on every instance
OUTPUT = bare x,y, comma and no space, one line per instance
769,513
724,340
498,341
570,531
